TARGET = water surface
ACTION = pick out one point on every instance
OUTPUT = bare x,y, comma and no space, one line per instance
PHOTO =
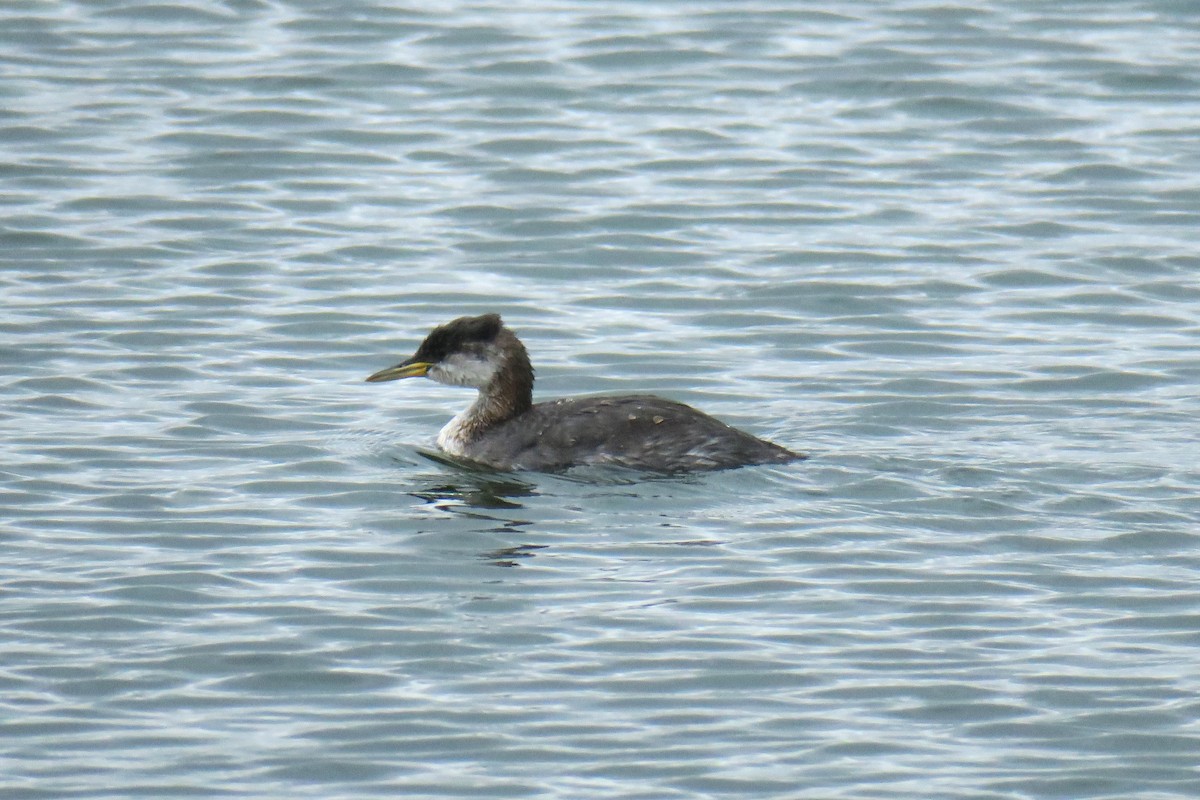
951,252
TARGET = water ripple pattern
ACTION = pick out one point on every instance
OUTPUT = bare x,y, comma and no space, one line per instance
950,250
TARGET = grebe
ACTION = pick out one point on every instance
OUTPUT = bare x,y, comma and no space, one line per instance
503,428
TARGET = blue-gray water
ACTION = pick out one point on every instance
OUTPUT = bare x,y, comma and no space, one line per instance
951,251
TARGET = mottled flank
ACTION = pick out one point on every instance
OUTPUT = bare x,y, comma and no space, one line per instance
638,431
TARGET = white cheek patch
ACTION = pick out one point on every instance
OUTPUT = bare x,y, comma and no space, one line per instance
461,369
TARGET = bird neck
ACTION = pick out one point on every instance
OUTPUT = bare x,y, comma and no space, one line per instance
508,394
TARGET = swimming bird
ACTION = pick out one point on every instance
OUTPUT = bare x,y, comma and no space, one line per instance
504,429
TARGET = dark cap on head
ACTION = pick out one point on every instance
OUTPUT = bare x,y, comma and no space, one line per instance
456,335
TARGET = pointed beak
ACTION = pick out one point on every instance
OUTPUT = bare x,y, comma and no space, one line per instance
405,369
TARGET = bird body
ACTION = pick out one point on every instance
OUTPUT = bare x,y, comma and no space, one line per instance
504,429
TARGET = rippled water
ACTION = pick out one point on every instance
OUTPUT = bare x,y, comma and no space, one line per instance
950,251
